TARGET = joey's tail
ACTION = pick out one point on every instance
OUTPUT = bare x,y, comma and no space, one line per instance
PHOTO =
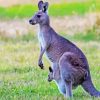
89,87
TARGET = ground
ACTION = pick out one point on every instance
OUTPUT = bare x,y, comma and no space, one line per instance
20,76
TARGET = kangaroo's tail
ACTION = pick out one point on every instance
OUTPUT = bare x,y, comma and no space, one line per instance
89,87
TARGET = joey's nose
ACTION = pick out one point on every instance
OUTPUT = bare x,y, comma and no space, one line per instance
49,80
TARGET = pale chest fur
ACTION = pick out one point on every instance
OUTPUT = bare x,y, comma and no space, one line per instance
41,39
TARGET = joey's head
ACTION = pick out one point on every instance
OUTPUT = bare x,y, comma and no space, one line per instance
41,17
50,76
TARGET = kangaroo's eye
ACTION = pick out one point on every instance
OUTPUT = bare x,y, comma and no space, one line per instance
38,16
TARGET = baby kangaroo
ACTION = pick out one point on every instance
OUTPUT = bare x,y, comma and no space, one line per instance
69,63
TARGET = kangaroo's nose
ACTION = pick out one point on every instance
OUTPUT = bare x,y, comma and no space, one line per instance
30,21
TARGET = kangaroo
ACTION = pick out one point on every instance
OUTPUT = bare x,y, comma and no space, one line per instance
65,57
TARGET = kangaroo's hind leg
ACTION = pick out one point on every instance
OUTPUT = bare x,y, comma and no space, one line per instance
57,77
65,72
72,71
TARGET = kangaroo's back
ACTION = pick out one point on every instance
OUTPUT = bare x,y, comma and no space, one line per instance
59,45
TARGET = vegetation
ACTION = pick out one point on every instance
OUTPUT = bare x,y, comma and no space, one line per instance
21,78
63,9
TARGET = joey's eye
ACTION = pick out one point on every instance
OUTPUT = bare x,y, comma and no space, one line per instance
38,16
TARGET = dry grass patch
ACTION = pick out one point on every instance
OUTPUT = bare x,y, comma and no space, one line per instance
68,24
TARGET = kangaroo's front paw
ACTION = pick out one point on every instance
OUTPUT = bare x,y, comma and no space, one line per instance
40,64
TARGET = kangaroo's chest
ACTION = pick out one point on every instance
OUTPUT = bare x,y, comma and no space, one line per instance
42,40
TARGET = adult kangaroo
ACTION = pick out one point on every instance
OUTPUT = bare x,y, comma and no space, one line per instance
66,58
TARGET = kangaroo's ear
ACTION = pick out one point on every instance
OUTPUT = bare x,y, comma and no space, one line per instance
45,6
40,3
50,69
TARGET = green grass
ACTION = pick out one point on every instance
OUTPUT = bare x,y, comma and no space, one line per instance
22,79
89,36
63,9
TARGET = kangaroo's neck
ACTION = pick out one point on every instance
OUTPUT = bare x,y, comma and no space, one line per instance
47,29
44,28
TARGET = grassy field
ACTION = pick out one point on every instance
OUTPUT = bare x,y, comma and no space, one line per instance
80,8
22,79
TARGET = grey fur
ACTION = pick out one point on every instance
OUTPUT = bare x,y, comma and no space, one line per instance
69,64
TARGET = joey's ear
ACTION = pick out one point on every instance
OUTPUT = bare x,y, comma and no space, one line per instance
50,69
45,6
40,3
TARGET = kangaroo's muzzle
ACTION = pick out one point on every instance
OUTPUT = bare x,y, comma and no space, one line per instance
49,80
32,22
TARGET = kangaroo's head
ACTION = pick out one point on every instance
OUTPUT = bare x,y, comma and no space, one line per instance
50,76
41,17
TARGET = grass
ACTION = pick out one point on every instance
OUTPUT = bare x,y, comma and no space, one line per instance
63,9
88,36
22,79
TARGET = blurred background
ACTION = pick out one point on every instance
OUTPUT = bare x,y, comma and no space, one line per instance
20,77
